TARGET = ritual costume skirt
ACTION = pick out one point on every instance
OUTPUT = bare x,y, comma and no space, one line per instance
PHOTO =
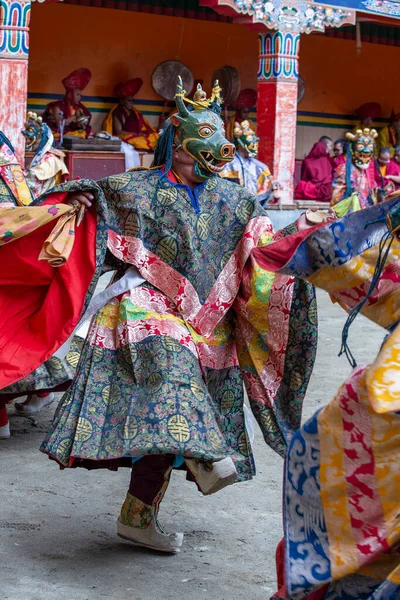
54,375
147,383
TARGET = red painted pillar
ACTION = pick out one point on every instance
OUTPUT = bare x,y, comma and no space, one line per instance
277,105
14,49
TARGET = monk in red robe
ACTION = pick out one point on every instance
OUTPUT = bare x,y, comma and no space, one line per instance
316,175
387,170
69,114
128,123
393,169
339,153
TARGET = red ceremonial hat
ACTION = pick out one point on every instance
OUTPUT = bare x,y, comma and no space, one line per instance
369,109
130,88
77,80
247,99
394,117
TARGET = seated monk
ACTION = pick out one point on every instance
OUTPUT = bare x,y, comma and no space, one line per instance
316,175
387,171
393,170
339,153
128,123
75,115
246,100
389,136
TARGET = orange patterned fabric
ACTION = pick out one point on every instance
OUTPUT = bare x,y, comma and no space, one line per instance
17,222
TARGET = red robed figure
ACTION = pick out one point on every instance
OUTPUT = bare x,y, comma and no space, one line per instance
316,175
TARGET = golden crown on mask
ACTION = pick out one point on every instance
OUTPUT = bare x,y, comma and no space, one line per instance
360,133
200,100
243,128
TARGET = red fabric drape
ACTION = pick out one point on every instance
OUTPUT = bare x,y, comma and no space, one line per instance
275,256
40,305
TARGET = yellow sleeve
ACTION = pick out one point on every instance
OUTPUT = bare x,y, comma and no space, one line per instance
108,121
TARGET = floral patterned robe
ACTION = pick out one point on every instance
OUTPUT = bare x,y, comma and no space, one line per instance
163,366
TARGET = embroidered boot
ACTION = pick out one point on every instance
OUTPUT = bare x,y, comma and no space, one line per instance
138,521
138,524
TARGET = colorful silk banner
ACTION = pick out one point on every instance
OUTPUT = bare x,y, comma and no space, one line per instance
342,477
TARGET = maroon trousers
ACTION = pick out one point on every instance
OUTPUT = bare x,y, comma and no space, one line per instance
148,476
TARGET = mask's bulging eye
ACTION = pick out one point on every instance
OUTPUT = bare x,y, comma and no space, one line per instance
205,131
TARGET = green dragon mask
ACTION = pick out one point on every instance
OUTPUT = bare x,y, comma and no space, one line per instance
200,130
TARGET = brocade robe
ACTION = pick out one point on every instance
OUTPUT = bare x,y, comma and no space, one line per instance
163,366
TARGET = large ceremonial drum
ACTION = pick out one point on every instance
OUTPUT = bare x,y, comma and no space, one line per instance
165,77
229,81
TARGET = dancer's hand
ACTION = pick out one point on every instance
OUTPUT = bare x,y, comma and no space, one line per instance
315,217
78,199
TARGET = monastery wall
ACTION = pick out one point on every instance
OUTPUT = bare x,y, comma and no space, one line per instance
118,45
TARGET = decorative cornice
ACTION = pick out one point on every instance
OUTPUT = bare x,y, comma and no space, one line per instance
384,7
292,16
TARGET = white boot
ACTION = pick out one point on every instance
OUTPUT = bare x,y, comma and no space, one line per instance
34,404
5,432
138,524
152,537
212,477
